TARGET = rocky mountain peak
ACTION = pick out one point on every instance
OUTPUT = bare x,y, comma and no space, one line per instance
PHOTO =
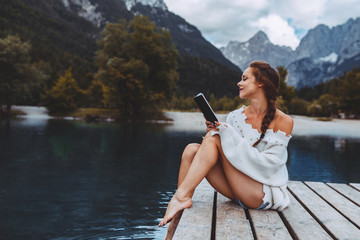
324,53
256,48
260,37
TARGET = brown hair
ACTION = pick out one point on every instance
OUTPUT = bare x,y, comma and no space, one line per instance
269,77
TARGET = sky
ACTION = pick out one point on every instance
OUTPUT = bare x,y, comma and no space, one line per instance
285,22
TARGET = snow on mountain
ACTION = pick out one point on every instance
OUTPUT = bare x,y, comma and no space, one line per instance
331,58
86,10
152,3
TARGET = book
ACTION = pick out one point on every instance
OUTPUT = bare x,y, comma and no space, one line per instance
205,107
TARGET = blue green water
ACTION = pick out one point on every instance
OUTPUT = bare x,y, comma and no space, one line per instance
63,179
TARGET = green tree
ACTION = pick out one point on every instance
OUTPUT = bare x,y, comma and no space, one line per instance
138,62
329,104
64,96
286,92
348,89
96,94
17,75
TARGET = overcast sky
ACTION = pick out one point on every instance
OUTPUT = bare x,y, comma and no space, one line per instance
284,21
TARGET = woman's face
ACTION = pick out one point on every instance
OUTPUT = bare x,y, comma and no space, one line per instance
248,86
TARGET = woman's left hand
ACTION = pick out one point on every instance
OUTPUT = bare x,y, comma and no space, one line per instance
211,127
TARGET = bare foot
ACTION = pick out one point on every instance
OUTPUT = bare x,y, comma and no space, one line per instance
173,224
175,205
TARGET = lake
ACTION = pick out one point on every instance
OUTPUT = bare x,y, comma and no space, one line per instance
68,179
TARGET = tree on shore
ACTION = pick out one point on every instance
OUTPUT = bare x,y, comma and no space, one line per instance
18,76
64,96
286,92
347,89
137,61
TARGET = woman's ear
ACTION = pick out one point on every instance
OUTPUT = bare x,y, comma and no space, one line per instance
260,84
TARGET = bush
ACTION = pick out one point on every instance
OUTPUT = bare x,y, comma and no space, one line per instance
281,104
298,106
329,104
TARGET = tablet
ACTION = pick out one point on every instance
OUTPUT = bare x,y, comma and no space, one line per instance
205,108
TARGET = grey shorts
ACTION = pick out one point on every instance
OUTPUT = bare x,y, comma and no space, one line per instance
266,199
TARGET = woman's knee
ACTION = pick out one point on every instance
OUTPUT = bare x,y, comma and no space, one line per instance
190,151
214,139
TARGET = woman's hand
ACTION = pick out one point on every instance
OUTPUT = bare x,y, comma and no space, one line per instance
210,126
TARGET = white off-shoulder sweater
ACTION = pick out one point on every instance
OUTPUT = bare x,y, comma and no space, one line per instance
266,163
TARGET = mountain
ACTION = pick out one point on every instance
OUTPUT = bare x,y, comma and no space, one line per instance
63,34
187,37
256,48
323,54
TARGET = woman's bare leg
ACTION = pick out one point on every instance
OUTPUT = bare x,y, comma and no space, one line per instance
216,178
186,160
224,177
204,160
234,184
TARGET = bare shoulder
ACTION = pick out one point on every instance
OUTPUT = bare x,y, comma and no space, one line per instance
283,122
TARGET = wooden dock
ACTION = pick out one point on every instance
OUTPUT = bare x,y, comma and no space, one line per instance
317,211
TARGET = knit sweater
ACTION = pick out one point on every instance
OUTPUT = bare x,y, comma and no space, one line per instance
265,163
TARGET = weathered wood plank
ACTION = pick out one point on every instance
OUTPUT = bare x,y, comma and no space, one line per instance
195,222
342,204
268,225
303,225
355,185
231,222
334,222
347,191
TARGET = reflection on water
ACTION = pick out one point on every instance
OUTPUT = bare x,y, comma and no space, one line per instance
340,144
324,159
71,180
75,180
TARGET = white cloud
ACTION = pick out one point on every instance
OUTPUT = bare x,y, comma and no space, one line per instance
226,20
304,13
278,31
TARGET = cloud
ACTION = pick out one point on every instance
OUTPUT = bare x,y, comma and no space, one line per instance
278,31
285,22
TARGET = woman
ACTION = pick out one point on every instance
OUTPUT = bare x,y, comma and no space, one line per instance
243,159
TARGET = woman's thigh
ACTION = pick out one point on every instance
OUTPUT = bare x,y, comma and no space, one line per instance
217,179
247,190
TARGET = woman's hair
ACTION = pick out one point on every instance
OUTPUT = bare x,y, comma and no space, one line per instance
270,79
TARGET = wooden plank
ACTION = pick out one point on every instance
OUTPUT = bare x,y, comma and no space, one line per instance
195,222
355,185
339,202
302,224
268,225
332,220
347,191
231,222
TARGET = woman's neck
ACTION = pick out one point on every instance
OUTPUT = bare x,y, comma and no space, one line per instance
258,106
